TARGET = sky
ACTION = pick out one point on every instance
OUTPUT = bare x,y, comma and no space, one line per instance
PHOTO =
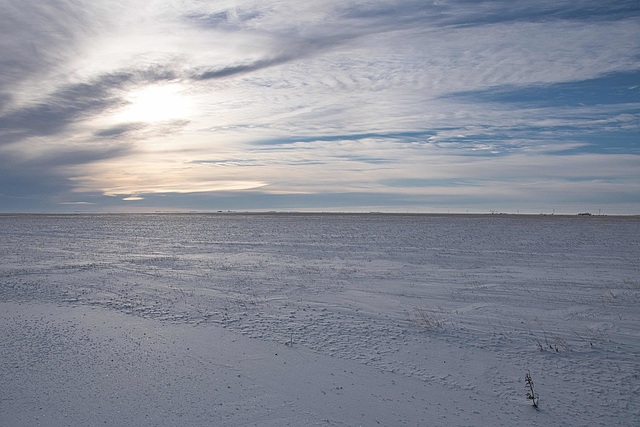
352,105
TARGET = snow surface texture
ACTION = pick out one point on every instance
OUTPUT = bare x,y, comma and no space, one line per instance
233,319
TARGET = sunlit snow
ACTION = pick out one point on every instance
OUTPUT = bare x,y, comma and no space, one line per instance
305,319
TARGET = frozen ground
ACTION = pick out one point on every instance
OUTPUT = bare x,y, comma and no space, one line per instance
232,319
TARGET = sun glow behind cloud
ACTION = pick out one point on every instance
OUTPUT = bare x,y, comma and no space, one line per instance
155,103
132,178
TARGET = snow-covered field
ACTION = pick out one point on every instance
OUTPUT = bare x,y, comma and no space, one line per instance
304,319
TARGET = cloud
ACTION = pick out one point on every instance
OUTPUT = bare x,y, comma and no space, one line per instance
74,102
407,101
120,130
401,136
54,114
33,32
610,88
240,69
77,203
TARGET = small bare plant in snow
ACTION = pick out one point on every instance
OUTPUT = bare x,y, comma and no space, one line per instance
548,345
531,394
427,318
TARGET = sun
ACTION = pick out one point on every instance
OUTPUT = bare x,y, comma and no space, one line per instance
155,103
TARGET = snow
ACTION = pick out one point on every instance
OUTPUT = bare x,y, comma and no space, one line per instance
305,319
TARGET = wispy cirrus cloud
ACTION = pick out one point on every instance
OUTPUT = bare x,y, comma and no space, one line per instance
394,101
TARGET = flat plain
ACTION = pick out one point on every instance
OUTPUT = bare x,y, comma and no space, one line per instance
318,319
